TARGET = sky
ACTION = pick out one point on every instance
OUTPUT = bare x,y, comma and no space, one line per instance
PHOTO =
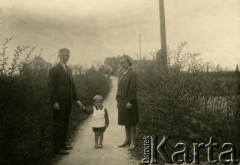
95,29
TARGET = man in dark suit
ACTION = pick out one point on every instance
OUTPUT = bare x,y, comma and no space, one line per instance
62,93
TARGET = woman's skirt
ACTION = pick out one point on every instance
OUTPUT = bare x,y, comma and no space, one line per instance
127,117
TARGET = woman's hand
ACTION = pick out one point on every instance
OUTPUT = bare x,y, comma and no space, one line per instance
56,106
117,104
129,105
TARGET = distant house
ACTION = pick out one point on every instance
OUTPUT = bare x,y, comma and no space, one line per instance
37,64
111,61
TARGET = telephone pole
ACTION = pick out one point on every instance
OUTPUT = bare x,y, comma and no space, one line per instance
162,53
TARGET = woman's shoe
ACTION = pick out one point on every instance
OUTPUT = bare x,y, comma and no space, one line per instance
96,147
124,144
131,147
100,146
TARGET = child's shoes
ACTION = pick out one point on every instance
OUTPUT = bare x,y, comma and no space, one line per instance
96,147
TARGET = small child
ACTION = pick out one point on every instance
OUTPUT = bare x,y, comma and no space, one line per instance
100,119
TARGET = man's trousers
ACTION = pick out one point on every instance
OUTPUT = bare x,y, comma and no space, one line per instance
60,127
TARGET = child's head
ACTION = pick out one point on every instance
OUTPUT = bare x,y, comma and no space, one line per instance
98,100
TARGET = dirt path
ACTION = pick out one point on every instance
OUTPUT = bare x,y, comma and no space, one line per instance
84,153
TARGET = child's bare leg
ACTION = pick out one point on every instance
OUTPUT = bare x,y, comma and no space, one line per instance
101,137
96,139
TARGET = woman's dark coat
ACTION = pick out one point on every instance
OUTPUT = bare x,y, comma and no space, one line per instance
127,92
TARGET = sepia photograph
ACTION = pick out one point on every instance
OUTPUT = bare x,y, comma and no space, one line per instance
119,82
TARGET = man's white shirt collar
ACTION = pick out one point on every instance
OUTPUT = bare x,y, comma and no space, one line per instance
64,65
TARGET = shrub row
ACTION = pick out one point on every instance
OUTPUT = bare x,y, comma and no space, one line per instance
178,103
26,117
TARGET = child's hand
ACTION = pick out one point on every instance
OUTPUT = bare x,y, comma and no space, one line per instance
88,110
85,110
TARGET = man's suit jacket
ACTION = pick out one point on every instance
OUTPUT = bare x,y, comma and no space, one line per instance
61,85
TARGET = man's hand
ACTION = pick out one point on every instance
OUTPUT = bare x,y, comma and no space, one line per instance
80,105
56,106
129,105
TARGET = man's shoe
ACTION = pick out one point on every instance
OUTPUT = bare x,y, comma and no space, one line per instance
67,147
61,152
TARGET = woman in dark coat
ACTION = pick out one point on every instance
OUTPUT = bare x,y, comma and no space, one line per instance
127,101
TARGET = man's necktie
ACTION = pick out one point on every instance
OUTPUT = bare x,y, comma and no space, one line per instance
67,70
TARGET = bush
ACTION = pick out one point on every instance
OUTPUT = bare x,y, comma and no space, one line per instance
25,112
92,83
25,119
186,102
